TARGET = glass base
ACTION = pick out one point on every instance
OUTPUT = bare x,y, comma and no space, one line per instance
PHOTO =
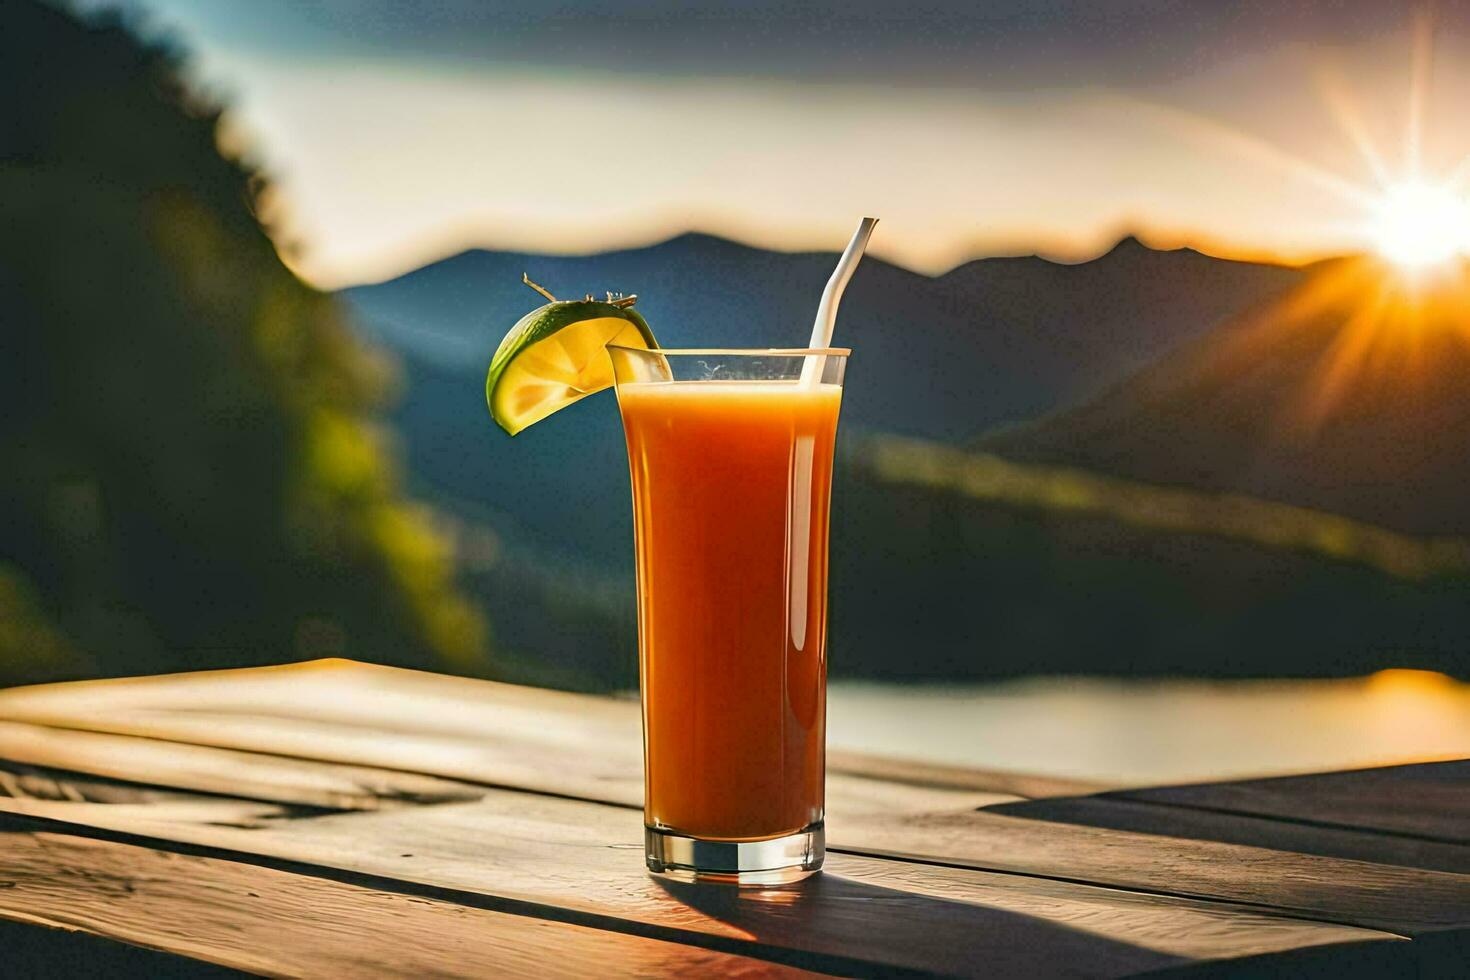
778,861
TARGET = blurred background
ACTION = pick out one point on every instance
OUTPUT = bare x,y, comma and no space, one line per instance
1157,432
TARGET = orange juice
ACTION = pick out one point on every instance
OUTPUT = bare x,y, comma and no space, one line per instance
731,489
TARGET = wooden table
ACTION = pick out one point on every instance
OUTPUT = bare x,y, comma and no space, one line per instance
337,819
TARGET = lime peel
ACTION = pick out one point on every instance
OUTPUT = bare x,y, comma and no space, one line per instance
557,355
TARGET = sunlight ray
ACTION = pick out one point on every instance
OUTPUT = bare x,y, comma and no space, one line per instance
1333,89
1316,294
1345,360
1255,148
1421,64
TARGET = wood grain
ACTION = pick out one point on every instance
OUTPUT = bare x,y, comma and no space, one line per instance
381,717
911,773
24,789
250,775
1117,813
276,923
583,862
1409,901
1429,801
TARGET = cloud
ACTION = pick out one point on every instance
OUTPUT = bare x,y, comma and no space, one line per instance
999,45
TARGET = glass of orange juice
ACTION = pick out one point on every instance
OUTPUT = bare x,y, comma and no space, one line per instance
731,460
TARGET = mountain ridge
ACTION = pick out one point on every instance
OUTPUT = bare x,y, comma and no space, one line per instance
1128,241
1311,399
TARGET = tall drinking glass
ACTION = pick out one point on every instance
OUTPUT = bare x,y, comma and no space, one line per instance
731,459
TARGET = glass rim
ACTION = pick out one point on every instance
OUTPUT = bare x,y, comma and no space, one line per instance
740,351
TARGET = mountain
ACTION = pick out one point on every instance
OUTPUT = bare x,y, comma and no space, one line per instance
941,357
1350,394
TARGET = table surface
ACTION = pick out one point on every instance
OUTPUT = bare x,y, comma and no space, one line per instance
334,818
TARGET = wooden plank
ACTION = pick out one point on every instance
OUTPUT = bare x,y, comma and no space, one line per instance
467,730
381,717
1406,900
929,774
272,922
228,772
583,862
1117,813
1430,801
1114,853
85,796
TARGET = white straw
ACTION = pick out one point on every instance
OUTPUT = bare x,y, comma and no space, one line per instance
831,296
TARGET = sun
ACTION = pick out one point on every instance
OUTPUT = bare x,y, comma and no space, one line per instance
1417,224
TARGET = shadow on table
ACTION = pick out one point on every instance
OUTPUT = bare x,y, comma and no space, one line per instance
38,951
865,928
1137,813
876,931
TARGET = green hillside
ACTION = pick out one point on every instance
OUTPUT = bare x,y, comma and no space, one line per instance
992,479
953,564
193,471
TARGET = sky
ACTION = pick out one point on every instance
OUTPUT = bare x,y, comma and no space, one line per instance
400,132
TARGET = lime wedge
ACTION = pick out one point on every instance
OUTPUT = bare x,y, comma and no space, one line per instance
556,355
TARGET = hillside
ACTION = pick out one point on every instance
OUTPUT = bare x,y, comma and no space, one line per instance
1349,395
192,469
949,564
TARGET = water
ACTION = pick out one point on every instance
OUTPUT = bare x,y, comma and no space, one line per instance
1143,732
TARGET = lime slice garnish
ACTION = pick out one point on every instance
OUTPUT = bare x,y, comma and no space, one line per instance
557,355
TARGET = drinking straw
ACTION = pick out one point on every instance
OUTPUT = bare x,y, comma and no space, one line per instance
827,312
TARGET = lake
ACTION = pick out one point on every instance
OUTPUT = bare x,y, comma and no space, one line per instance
1139,732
